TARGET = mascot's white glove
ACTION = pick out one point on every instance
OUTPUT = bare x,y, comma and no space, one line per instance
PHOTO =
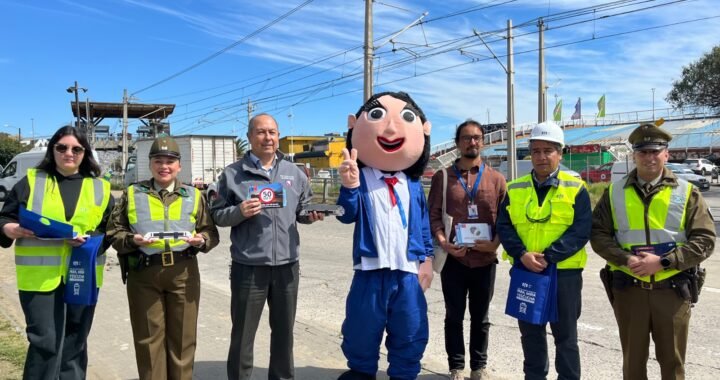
349,172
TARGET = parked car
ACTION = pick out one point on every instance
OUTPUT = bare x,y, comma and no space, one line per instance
700,166
17,168
681,171
597,174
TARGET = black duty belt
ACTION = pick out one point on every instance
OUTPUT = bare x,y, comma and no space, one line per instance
166,259
632,281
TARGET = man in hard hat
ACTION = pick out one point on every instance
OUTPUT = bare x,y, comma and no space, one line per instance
653,229
546,220
163,279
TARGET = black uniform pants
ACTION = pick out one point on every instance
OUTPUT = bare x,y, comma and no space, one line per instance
564,331
57,334
251,286
460,283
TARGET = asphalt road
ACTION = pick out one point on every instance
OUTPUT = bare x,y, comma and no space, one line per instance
325,278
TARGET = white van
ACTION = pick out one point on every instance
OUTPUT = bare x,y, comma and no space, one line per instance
621,169
524,167
17,168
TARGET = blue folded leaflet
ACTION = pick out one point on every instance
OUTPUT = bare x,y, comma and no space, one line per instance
532,297
45,227
81,282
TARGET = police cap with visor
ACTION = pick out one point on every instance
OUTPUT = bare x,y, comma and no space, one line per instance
165,146
649,137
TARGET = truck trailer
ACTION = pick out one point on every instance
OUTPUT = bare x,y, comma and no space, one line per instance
202,158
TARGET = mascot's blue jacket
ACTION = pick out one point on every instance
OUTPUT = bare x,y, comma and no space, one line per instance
358,208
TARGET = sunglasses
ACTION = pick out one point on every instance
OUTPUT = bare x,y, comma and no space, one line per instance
76,150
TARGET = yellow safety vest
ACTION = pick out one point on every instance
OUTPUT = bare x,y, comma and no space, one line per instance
42,264
665,217
147,213
539,226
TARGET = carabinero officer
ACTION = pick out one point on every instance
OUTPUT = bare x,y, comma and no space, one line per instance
63,187
653,229
163,281
545,219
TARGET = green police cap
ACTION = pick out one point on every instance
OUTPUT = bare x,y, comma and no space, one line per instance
164,146
649,137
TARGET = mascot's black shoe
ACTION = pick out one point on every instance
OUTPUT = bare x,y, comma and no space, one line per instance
355,375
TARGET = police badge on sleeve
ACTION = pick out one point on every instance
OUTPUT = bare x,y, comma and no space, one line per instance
270,195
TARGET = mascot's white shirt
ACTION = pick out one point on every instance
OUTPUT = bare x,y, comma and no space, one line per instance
391,238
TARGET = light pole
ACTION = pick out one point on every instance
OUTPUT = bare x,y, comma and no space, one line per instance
292,153
653,92
75,89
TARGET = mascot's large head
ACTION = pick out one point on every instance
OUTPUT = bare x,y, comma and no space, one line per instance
390,133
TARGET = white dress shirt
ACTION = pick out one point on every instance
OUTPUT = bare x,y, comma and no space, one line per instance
391,238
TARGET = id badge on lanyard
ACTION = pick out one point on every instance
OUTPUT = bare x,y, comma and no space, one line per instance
472,207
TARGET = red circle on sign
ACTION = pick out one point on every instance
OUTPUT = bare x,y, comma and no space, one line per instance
267,196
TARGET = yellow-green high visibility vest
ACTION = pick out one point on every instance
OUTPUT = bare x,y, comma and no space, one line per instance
539,226
42,264
147,213
665,220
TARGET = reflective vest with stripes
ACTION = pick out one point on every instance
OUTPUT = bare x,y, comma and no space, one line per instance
539,226
147,213
42,264
665,220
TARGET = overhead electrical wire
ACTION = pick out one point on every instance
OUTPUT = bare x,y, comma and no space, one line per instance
284,107
231,46
315,88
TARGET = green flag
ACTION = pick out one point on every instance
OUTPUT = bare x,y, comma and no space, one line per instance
601,106
557,113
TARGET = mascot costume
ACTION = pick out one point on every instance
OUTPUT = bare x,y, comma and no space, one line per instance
388,147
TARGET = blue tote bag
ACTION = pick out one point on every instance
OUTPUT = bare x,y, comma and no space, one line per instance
81,282
532,297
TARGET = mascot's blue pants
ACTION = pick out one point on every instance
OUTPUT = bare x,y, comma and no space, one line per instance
379,300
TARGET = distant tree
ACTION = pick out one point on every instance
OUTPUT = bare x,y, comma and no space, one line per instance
242,146
700,83
9,148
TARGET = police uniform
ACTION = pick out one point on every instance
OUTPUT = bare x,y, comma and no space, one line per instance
666,216
163,281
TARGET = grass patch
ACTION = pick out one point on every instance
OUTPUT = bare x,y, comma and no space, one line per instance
13,348
596,191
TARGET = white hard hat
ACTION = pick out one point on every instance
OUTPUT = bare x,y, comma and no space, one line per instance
548,131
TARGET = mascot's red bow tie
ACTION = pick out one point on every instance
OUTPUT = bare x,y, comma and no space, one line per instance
391,182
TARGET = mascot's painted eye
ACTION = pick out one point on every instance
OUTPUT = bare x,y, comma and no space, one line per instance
408,116
376,113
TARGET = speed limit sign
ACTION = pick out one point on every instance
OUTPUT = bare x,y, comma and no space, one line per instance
267,196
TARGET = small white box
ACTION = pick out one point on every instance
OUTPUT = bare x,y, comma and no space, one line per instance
467,233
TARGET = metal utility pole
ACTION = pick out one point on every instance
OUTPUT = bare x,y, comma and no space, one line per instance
653,91
125,131
542,100
89,127
511,153
368,80
75,89
32,125
249,112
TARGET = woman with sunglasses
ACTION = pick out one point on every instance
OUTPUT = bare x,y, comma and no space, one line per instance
63,187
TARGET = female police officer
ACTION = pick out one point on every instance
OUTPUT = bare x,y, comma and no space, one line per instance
163,280
62,187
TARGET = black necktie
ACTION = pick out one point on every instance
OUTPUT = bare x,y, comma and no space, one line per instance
163,193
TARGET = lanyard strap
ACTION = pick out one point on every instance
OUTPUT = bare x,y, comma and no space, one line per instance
472,193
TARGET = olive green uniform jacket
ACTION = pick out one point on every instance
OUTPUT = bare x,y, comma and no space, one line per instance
119,226
699,227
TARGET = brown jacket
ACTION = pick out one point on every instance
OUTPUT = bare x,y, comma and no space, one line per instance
699,226
491,191
119,227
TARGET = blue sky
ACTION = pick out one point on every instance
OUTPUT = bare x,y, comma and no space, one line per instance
309,64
